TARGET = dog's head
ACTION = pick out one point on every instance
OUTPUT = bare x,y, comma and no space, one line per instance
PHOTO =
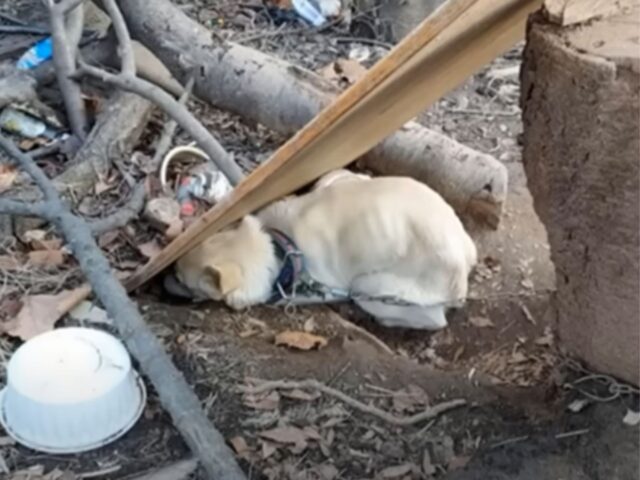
230,265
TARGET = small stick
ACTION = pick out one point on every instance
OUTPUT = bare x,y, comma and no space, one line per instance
510,441
64,59
430,412
169,129
573,433
123,216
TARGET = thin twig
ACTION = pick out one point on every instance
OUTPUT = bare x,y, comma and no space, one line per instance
187,122
174,392
572,433
125,50
64,56
510,441
169,129
363,40
430,412
24,29
16,207
124,214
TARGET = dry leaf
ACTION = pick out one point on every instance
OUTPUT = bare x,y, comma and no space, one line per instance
287,435
9,262
458,462
300,340
239,444
268,449
87,312
36,235
8,175
428,468
46,258
517,357
309,325
397,471
174,229
631,418
150,249
9,307
577,405
326,471
408,399
163,213
297,394
481,322
108,238
39,313
101,186
51,244
270,401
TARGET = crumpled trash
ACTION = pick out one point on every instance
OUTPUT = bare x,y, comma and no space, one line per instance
315,12
22,123
210,186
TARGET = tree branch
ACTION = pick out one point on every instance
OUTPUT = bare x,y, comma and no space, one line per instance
64,59
16,207
170,128
124,214
173,108
125,49
174,392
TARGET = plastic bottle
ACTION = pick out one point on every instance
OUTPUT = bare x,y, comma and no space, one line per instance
37,54
16,121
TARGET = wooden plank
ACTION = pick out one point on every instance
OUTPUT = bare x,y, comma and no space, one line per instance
449,46
570,12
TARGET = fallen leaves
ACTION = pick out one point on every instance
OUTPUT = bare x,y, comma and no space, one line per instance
265,401
409,399
300,340
39,313
398,471
8,175
46,258
481,322
150,249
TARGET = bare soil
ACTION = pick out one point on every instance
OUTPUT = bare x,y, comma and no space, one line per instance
499,353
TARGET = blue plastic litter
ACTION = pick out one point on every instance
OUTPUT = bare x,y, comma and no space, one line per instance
37,54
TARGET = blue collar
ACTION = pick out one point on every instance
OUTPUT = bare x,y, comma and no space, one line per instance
292,266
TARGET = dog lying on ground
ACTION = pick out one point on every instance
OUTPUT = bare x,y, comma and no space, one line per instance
391,244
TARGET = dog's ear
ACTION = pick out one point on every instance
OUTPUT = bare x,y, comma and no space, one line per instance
223,278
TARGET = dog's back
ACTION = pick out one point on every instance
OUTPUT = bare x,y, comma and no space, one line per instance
385,236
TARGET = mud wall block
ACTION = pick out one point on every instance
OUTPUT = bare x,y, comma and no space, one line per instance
580,99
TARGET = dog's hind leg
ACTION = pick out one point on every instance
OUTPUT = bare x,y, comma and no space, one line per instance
405,316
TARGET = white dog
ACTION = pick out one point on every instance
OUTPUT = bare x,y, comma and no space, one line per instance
391,244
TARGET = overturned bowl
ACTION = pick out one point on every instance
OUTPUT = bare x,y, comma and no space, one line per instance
70,390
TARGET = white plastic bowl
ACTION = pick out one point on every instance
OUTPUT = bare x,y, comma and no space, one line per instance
70,390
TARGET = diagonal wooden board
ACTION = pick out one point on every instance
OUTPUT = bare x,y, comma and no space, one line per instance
449,46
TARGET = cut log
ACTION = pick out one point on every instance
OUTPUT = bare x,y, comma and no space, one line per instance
116,132
580,96
569,12
285,98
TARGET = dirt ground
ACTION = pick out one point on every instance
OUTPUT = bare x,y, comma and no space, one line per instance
530,413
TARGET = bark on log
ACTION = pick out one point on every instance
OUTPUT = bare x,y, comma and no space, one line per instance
116,132
580,95
285,97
